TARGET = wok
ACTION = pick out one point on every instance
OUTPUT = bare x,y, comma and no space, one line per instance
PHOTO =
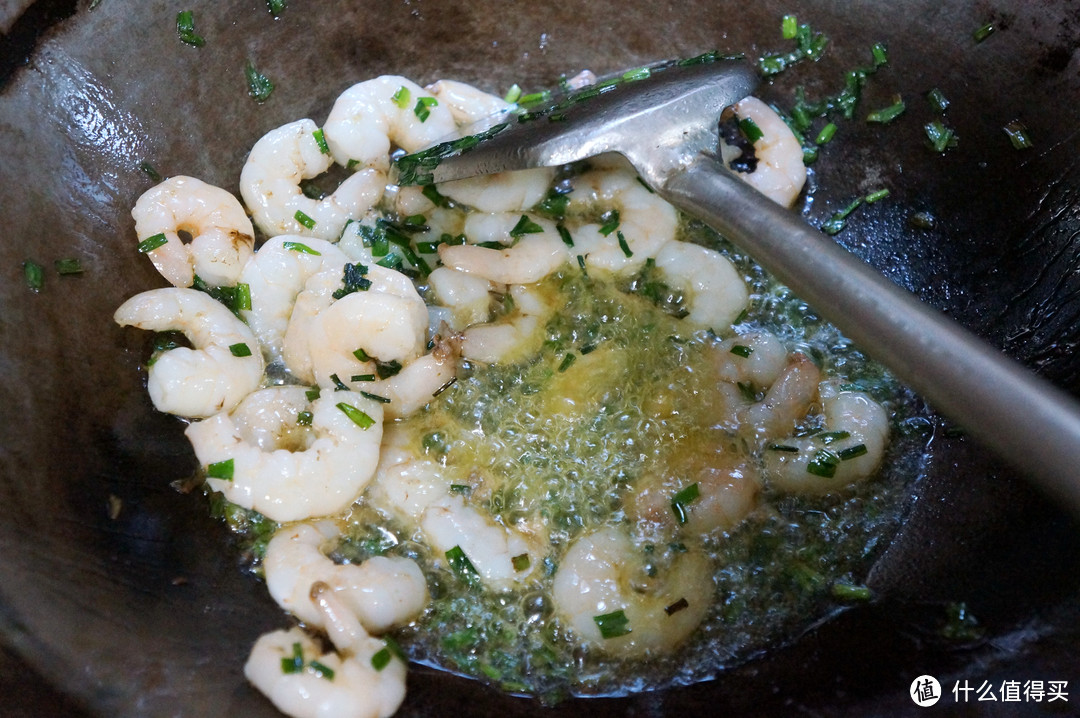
120,596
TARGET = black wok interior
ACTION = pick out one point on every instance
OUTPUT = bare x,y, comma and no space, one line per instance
147,613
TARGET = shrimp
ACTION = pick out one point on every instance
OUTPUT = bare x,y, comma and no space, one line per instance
756,358
645,222
222,239
603,587
381,592
514,336
780,173
715,293
788,399
275,276
466,296
270,185
318,472
371,116
533,256
419,381
468,104
849,450
224,366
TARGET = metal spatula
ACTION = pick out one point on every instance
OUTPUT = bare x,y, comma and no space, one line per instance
666,125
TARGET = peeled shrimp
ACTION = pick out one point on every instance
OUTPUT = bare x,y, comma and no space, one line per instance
224,366
780,173
371,116
381,592
756,358
319,471
270,185
848,450
222,238
275,276
530,259
513,336
466,296
715,293
604,573
646,222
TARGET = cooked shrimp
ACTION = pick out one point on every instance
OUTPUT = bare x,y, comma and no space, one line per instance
514,336
370,117
780,173
466,296
530,259
788,399
270,185
222,238
405,484
756,358
419,381
848,450
275,276
646,223
319,476
224,366
715,293
468,104
603,580
381,592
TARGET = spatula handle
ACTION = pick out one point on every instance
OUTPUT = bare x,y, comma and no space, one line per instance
1023,418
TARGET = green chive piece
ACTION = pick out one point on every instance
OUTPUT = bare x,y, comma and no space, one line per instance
581,262
877,195
149,170
512,94
423,107
463,489
623,245
435,197
850,592
640,73
275,6
852,452
828,437
358,417
750,130
747,391
567,362
525,226
613,625
381,659
295,662
941,137
363,377
887,114
461,564
984,32
361,355
680,500
339,385
304,418
221,470
679,605
322,671
242,297
259,85
307,222
826,134
823,464
1018,135
789,27
880,53
564,234
428,247
320,140
300,246
313,393
611,223
153,242
741,350
34,274
937,100
784,447
402,97
534,98
185,29
240,349
375,397
520,562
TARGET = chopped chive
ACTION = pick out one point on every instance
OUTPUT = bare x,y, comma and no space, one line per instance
512,94
149,170
747,391
826,134
221,470
295,662
306,221
750,130
525,226
588,349
564,234
185,29
304,418
461,564
613,625
680,500
534,98
322,671
358,417
153,242
623,245
887,114
941,137
1018,135
809,154
640,73
427,247
789,27
520,562
423,107
363,377
435,197
259,85
275,6
313,393
361,355
937,100
983,32
852,452
242,297
876,195
339,385
375,397
353,279
240,349
68,266
381,659
784,447
611,223
828,437
34,274
922,220
464,489
823,464
567,362
387,369
741,350
850,592
320,140
402,97
880,53
449,383
679,605
839,218
300,246
581,262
